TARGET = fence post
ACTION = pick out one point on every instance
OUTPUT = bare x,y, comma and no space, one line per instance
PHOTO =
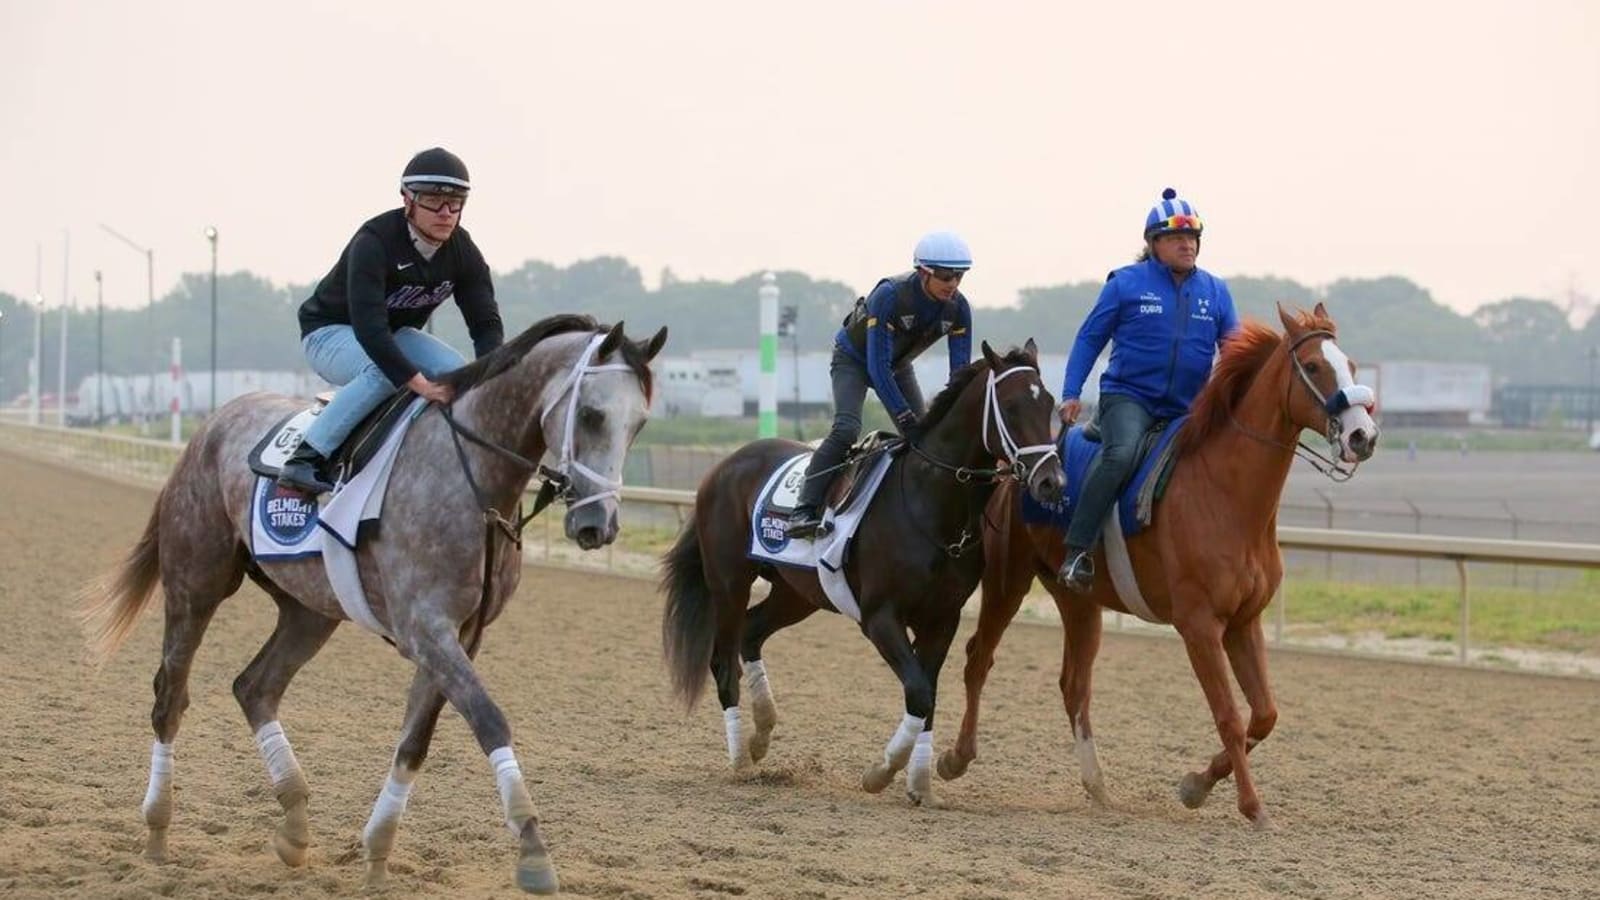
1466,610
1516,532
1416,528
1327,558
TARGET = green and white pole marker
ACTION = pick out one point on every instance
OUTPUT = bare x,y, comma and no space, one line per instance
768,383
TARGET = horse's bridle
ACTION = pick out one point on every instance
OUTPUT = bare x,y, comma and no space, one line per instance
1014,453
1332,405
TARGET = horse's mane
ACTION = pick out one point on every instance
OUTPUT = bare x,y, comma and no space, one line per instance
510,353
959,379
1243,357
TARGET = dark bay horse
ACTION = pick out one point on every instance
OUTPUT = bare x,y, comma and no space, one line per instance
567,385
914,564
1209,563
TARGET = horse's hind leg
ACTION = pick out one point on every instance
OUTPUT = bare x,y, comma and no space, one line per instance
782,608
300,633
1247,652
423,705
730,592
192,596
1080,621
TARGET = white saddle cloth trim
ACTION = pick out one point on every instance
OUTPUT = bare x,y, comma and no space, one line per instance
1123,579
360,500
826,554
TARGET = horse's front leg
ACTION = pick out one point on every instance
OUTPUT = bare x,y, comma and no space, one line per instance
423,705
1247,652
932,646
439,654
1202,637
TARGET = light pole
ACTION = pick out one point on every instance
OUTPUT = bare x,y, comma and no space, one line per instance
1594,354
2,358
33,364
149,310
211,235
99,349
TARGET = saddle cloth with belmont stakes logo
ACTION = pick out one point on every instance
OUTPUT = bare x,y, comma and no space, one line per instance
286,524
769,527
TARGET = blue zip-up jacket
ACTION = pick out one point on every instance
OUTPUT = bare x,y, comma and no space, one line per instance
902,321
1163,336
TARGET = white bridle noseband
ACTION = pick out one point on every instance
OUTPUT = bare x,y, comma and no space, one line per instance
567,463
1013,453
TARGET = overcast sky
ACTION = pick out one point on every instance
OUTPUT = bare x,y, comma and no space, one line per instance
1454,143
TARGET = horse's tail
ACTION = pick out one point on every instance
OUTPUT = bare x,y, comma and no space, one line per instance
689,624
110,605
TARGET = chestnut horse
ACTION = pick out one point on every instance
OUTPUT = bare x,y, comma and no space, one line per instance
1208,563
913,564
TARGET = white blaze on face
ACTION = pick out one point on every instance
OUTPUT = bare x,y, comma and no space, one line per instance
1357,417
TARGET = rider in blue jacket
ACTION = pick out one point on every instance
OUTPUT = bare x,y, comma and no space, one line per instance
903,316
1165,318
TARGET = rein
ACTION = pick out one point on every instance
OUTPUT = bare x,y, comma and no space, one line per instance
1015,470
557,482
1338,402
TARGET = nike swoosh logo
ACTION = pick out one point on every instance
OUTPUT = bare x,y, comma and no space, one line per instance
403,266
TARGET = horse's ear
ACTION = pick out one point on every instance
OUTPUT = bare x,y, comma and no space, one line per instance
611,343
1290,326
1320,311
653,346
988,354
1032,350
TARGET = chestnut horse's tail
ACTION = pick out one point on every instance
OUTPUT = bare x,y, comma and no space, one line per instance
689,625
109,606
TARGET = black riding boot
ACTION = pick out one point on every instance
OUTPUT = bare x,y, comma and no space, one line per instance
302,471
1077,570
807,516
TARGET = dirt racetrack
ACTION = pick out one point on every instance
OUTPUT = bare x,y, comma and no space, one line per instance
1383,779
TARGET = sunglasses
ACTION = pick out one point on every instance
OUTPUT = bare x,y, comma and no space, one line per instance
1180,222
436,203
940,273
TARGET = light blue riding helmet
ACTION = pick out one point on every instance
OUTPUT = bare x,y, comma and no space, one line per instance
942,250
1172,215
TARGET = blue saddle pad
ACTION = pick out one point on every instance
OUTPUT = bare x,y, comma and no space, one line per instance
1077,454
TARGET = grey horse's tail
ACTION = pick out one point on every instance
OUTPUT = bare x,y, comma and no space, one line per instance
109,606
689,625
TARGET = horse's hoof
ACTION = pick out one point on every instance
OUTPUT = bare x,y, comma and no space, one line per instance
952,765
1193,790
155,846
291,850
377,874
1097,794
876,778
537,875
1260,821
759,742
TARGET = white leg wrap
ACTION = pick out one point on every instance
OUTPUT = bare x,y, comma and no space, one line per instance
513,793
922,753
731,726
390,806
905,737
755,679
274,747
160,776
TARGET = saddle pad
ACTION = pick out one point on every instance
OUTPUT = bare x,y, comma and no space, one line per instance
1135,505
283,523
769,526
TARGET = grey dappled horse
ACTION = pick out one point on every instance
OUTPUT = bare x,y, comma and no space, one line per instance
566,385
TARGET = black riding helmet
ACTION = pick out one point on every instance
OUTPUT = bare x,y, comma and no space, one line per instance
436,171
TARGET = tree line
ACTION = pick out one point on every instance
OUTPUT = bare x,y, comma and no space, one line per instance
1525,340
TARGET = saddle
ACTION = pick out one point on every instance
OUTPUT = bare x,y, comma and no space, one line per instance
847,483
281,440
1080,450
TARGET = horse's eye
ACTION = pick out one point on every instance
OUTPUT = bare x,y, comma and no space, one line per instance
1313,368
591,418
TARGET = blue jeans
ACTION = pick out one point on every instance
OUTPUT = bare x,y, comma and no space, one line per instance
336,355
1123,422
